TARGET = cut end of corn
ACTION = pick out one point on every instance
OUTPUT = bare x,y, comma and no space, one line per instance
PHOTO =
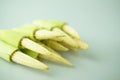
26,60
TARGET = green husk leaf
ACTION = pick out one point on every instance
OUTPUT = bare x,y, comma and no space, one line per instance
6,51
27,29
30,53
11,37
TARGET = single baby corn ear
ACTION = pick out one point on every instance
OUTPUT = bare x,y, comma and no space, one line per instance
11,54
60,58
22,58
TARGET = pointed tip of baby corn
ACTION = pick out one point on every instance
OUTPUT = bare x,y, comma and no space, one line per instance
82,45
26,60
66,62
57,58
70,31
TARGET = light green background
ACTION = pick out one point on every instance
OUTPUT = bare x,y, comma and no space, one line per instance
97,22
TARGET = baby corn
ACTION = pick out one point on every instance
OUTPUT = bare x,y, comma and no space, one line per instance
28,44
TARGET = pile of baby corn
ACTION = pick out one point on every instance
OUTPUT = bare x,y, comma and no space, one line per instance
28,44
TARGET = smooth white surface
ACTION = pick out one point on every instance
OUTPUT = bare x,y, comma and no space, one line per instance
97,22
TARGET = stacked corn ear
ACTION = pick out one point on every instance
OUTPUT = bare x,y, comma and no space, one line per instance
26,45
